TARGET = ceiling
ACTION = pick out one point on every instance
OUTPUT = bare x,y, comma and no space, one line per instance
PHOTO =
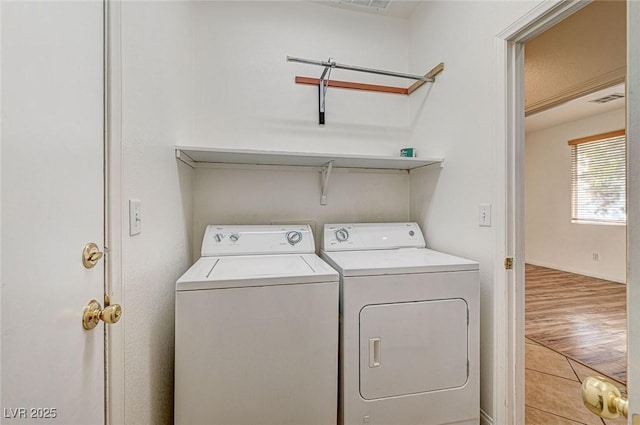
575,109
398,8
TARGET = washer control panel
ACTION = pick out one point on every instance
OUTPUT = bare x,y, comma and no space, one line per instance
365,236
222,240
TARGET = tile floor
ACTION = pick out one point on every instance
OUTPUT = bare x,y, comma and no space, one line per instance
552,389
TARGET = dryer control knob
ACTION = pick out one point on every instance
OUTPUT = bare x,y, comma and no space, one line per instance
293,237
234,237
342,235
218,237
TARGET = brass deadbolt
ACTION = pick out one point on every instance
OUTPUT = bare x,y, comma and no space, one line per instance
91,254
93,313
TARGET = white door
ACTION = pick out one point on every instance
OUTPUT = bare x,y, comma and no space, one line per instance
52,370
633,210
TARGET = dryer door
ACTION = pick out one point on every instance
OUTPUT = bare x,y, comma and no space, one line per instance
413,347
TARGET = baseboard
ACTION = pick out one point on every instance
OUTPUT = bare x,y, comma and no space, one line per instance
485,419
576,271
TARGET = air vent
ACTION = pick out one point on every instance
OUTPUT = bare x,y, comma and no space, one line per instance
371,4
608,98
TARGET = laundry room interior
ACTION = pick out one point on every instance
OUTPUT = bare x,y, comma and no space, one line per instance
213,127
226,84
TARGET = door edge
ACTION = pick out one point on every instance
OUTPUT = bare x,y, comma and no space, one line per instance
114,219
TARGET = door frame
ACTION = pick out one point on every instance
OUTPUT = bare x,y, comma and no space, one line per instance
508,357
114,212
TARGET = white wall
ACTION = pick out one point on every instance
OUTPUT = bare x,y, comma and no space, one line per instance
156,84
257,196
551,239
457,119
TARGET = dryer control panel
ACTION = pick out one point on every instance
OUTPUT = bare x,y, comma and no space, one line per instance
366,236
222,240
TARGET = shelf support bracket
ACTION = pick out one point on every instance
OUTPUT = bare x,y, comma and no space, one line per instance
326,175
322,89
185,158
321,93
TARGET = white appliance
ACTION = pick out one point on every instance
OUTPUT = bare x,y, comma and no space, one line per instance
409,338
257,330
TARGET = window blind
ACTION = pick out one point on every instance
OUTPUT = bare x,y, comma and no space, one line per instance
598,179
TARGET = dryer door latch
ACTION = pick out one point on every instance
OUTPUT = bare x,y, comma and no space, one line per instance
374,352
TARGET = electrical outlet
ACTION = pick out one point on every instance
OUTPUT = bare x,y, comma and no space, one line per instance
596,256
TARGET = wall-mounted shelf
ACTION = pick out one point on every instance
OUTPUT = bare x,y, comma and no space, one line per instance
195,155
202,155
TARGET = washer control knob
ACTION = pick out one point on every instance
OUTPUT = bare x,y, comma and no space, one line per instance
293,237
342,235
234,237
218,237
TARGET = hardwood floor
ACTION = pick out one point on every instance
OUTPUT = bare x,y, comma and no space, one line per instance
582,317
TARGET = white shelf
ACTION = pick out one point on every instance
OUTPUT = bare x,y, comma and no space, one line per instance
195,155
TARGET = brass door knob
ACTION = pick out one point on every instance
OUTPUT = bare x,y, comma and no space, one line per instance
603,398
93,313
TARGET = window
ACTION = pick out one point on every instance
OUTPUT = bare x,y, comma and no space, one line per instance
598,178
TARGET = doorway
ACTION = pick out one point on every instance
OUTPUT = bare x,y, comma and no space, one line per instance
509,314
575,252
575,216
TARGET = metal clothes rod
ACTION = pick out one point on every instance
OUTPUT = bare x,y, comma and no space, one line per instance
361,69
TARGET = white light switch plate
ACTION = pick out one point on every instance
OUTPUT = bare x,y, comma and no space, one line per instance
484,215
135,217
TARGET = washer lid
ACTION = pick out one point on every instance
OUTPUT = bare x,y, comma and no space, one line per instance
255,270
396,261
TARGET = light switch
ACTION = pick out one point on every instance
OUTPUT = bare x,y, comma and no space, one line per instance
135,217
484,215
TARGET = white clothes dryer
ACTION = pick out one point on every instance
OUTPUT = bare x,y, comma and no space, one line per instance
257,330
409,341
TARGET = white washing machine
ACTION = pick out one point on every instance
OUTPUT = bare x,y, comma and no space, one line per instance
257,330
409,338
